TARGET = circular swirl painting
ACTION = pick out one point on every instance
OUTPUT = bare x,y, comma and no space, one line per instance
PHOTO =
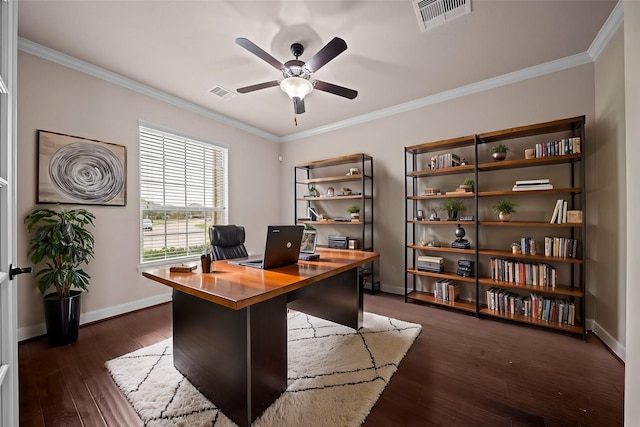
81,172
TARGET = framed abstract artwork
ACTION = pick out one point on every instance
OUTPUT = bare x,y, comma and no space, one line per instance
80,171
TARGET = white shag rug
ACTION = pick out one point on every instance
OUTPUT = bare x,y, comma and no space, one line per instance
335,376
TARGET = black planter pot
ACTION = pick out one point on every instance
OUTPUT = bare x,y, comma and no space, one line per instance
62,317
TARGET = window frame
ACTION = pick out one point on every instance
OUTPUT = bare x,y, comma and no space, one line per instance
214,207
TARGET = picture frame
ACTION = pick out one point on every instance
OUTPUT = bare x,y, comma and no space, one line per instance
309,241
81,171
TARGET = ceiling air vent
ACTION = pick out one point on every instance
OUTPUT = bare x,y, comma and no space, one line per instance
432,13
222,92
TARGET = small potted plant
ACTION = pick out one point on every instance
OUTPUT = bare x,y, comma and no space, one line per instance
452,207
355,212
313,191
62,239
467,185
504,209
515,247
499,152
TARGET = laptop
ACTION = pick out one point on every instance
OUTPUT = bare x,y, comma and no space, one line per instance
282,247
308,246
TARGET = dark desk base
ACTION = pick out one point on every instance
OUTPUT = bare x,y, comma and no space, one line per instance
238,358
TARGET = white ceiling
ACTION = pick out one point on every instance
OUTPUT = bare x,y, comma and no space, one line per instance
185,48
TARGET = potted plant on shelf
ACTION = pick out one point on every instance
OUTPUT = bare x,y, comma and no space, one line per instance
467,185
515,247
62,239
504,209
355,212
313,191
452,207
499,152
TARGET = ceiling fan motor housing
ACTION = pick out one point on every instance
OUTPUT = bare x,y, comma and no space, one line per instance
295,68
297,49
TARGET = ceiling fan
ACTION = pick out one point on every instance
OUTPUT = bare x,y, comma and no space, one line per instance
296,82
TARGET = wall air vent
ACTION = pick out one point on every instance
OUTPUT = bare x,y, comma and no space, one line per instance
432,13
222,92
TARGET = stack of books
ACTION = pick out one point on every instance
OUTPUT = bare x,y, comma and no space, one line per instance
533,184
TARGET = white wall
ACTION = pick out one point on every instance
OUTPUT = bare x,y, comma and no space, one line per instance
55,98
607,202
632,108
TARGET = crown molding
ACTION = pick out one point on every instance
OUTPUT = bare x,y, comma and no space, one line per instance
611,25
459,92
57,57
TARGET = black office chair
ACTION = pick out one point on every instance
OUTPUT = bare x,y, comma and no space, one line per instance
227,241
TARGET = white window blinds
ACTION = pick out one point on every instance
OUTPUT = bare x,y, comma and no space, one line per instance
183,191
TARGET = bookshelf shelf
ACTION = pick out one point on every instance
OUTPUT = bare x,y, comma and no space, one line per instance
574,329
469,306
558,154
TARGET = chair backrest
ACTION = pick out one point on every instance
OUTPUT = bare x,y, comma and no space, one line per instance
227,242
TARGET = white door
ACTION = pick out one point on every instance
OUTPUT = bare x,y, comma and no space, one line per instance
9,395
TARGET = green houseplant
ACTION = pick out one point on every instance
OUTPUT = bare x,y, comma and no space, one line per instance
452,207
504,209
61,238
499,152
354,211
467,184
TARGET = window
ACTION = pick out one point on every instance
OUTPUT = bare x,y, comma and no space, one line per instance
183,191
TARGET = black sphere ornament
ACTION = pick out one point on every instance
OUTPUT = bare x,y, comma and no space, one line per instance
460,233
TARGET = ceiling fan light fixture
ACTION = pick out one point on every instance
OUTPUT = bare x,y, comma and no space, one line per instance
296,87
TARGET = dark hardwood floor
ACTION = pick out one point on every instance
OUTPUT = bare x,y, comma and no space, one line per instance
461,371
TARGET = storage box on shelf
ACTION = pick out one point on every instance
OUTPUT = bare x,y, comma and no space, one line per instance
326,194
542,282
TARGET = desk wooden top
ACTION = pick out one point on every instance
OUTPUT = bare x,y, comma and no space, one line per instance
238,287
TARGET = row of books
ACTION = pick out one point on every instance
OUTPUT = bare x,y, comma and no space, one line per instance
525,273
563,247
535,306
559,148
447,160
446,290
528,246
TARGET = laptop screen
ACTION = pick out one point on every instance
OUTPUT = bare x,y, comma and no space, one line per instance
309,241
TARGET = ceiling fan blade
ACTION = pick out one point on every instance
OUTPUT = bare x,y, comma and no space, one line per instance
259,86
332,49
298,105
335,89
253,48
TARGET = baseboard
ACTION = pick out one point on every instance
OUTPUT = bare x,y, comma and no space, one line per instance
389,289
608,340
96,315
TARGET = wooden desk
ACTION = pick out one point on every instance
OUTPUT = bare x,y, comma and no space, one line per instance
230,326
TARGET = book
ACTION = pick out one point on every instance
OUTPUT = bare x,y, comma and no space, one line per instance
533,182
533,187
564,212
554,217
183,268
